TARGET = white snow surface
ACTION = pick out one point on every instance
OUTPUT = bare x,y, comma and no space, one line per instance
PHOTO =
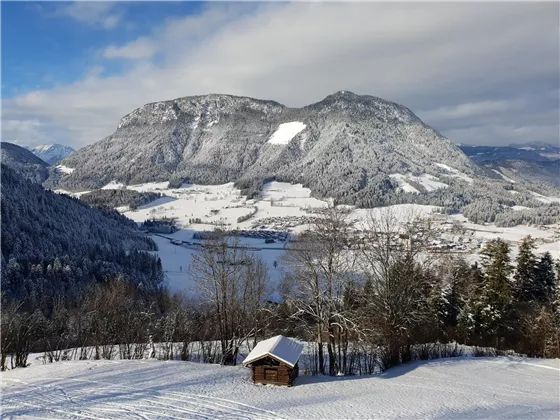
461,388
552,247
113,185
455,173
72,194
503,176
429,182
278,347
286,132
64,169
401,180
514,234
545,199
282,207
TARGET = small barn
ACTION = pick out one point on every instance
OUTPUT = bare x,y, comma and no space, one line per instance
275,361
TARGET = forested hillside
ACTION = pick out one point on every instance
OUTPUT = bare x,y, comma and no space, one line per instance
55,245
24,162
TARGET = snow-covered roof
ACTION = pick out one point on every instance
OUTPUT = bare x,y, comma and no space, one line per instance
279,347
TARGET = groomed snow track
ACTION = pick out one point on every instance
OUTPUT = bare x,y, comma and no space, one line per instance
460,388
74,398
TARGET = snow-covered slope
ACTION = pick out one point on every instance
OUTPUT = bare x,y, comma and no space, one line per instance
344,146
286,132
51,153
465,388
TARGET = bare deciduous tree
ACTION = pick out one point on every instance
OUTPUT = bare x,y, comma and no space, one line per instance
320,266
233,282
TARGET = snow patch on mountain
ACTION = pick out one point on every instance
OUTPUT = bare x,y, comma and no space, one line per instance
427,181
430,182
279,190
455,173
64,169
405,186
503,176
545,199
286,132
113,185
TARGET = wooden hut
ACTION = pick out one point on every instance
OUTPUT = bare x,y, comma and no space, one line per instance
275,361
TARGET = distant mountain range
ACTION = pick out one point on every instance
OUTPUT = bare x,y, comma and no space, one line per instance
23,162
51,153
540,152
532,162
345,146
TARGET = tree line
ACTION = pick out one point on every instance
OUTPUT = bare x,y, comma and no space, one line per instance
363,305
110,199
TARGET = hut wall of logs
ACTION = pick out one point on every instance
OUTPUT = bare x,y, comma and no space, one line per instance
275,361
271,371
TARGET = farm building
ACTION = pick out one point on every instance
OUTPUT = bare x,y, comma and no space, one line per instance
275,361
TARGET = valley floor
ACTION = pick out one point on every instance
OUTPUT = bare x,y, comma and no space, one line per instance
150,389
290,208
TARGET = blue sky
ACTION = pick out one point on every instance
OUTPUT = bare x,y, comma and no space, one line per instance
480,73
45,44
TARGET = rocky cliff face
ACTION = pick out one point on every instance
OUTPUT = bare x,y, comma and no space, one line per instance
343,146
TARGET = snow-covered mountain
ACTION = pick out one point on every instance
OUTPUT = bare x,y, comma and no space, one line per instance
51,153
534,163
23,162
344,146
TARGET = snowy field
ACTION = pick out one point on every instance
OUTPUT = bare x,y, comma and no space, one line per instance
283,207
473,388
289,208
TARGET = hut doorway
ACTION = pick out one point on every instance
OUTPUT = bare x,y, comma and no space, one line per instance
270,375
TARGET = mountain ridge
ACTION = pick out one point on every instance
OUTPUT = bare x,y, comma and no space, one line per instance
348,147
51,153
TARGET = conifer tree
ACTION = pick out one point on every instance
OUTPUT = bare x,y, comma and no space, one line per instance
524,278
545,279
485,315
497,269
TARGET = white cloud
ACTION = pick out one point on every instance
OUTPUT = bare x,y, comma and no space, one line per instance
458,62
95,13
472,109
21,129
138,49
